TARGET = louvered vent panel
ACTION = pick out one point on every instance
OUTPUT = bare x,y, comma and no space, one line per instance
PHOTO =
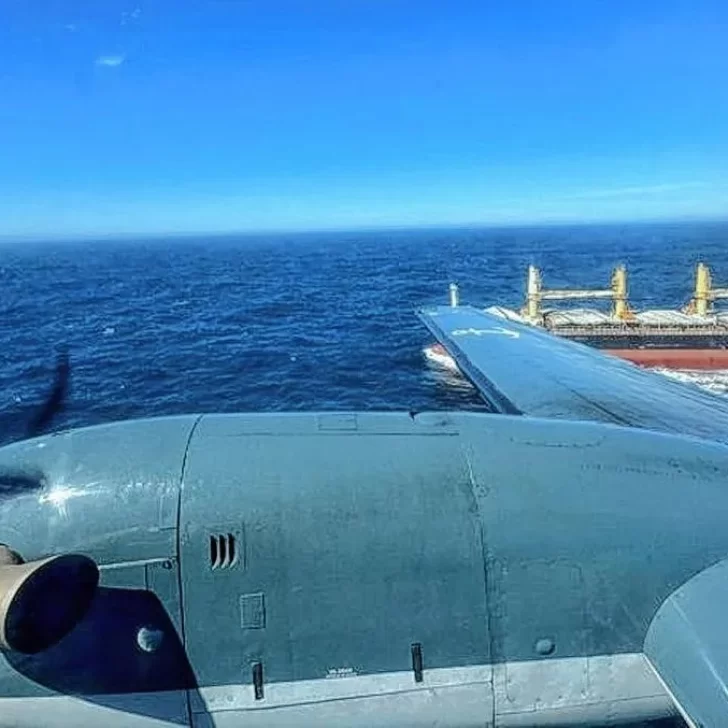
223,551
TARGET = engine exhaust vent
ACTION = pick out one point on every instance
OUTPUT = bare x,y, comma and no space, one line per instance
223,551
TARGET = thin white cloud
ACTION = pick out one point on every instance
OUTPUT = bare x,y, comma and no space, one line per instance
633,191
131,17
70,27
110,61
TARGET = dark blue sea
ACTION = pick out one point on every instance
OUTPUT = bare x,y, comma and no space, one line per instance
290,322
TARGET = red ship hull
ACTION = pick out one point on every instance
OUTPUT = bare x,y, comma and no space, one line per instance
675,358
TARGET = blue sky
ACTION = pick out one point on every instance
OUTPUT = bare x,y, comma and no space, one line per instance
118,117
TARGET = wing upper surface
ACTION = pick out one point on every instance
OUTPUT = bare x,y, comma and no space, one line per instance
520,369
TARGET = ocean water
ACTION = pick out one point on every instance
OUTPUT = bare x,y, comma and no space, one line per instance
290,322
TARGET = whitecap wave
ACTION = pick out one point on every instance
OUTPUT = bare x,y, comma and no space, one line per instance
715,380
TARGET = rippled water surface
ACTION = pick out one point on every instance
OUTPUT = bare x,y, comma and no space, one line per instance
291,322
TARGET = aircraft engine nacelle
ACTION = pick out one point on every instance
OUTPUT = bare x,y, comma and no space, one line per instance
42,601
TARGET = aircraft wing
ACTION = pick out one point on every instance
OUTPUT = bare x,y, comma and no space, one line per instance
520,369
687,647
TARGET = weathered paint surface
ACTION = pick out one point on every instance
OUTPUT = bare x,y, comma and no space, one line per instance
324,548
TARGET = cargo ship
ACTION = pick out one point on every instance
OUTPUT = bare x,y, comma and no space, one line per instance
695,337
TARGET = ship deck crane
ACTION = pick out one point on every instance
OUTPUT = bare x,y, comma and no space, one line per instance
705,295
617,292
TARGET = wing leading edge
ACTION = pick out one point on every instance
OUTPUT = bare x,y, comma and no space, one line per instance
519,369
687,646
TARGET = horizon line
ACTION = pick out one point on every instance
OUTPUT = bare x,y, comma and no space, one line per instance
242,232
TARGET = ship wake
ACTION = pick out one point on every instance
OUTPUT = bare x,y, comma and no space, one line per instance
447,372
715,381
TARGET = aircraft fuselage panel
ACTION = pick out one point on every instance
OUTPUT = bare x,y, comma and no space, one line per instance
359,569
